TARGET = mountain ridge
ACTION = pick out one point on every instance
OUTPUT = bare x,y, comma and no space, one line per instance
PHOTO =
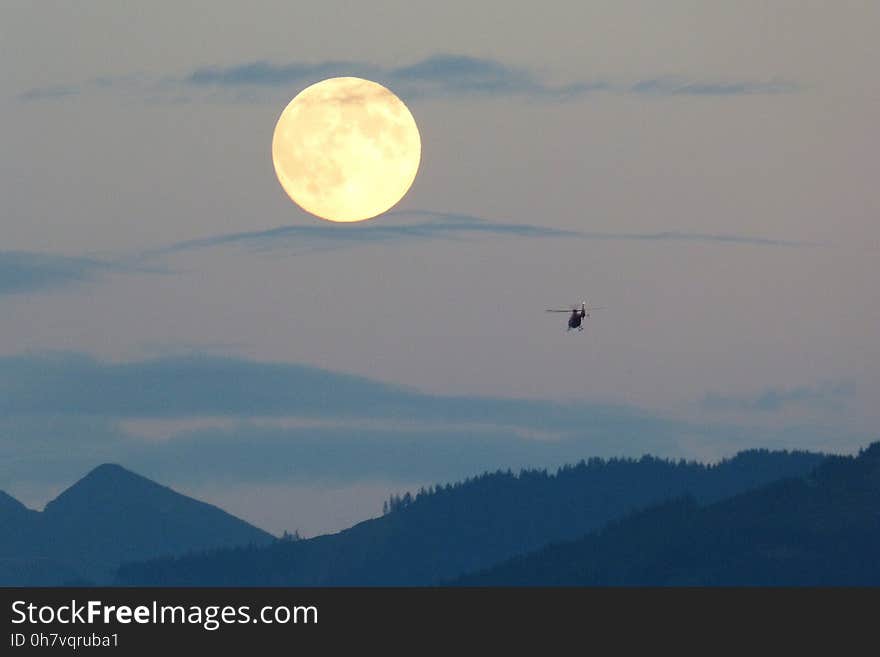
820,529
448,530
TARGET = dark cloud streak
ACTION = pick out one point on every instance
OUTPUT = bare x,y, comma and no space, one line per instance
51,402
27,272
334,235
452,74
679,87
202,385
49,93
444,74
678,236
441,75
432,225
23,271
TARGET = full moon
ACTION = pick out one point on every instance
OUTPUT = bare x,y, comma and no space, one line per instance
346,149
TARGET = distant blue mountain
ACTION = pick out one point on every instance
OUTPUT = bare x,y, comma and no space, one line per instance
449,530
110,516
822,529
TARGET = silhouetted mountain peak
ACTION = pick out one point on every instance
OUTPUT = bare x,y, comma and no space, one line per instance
113,473
109,516
108,485
107,469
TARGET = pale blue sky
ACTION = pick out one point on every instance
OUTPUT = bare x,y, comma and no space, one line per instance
707,171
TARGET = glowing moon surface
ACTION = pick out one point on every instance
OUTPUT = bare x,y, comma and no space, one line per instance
346,149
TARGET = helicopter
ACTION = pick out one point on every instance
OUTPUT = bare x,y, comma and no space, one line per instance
577,315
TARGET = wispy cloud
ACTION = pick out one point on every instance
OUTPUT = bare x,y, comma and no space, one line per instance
671,86
831,395
23,271
328,235
405,225
265,73
202,385
441,75
244,419
455,74
679,236
39,449
49,93
233,419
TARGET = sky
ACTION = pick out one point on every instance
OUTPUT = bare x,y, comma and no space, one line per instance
705,172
